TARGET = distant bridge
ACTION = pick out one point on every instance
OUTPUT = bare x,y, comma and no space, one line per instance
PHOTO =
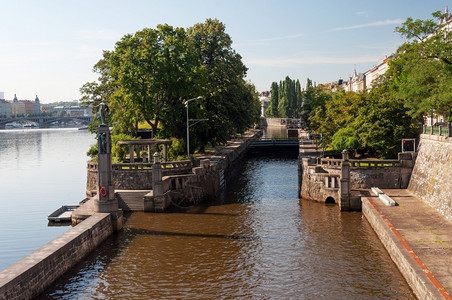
45,121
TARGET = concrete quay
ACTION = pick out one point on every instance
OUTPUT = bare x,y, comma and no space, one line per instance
418,239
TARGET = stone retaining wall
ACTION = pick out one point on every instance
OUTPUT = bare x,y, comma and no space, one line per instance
431,179
315,184
191,189
140,179
384,177
414,275
320,178
33,274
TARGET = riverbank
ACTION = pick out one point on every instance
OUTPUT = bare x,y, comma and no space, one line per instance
418,239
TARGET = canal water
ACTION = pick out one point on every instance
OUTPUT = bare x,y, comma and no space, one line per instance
257,241
40,170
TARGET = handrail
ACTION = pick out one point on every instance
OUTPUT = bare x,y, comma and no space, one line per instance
441,130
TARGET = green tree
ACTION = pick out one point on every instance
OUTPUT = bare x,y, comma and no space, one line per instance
299,99
421,72
230,103
150,74
346,138
153,68
272,110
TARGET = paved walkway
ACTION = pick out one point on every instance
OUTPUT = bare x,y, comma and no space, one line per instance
424,231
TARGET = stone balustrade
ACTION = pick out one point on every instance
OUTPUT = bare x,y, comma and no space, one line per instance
135,176
333,163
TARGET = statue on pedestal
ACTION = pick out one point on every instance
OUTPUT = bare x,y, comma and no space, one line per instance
103,111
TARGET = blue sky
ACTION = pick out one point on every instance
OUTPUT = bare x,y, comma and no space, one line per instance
48,48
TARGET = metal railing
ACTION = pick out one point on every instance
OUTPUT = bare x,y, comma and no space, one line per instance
441,130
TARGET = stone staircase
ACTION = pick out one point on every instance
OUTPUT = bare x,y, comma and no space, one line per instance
131,200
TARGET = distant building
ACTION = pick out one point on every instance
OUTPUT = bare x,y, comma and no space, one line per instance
265,103
5,108
377,71
28,107
36,106
17,107
2,96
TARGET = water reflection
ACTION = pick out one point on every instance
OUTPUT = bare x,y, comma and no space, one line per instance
40,170
258,241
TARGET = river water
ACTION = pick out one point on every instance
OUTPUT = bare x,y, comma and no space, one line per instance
258,240
40,170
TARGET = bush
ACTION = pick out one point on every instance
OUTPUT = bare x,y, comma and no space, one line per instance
176,150
93,152
345,138
118,154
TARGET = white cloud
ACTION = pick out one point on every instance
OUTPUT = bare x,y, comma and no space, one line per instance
373,24
362,13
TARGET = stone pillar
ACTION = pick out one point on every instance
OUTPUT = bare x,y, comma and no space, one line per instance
165,152
157,189
131,153
345,182
105,201
149,154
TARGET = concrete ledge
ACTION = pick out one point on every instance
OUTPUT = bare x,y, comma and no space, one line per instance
383,197
31,275
376,191
387,200
402,255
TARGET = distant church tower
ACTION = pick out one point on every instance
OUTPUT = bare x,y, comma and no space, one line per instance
36,107
15,98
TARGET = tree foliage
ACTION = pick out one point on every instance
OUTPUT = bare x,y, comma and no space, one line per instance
418,82
421,72
150,74
286,99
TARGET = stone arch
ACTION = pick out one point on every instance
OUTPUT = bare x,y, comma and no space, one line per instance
330,200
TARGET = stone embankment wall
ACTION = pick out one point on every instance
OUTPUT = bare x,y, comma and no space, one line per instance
33,274
205,181
318,184
321,178
431,179
386,176
416,277
133,176
190,189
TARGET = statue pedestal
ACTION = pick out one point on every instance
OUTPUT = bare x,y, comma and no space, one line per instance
105,201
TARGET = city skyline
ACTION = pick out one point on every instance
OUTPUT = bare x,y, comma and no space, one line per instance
50,47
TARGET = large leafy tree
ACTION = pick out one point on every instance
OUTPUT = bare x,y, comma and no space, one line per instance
153,69
150,74
422,69
229,103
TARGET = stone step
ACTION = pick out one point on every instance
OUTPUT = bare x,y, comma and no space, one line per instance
131,200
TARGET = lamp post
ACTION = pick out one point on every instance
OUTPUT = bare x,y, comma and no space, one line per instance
188,125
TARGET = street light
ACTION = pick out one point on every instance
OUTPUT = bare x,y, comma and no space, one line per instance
188,125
